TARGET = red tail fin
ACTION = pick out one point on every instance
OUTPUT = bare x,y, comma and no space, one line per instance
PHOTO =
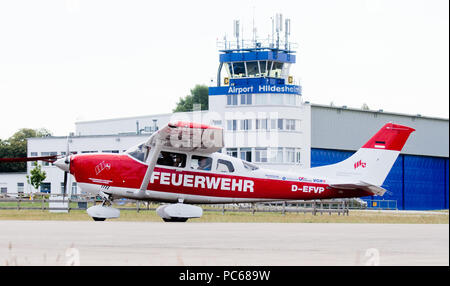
390,137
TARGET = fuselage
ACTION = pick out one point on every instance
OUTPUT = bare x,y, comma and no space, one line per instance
225,180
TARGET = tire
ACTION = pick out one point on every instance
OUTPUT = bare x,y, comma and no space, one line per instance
175,219
99,218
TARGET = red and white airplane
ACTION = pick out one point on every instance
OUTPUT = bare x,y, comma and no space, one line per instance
179,164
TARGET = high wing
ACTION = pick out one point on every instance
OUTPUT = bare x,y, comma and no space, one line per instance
181,136
189,137
361,186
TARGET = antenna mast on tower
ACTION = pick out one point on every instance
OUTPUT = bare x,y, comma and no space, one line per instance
236,31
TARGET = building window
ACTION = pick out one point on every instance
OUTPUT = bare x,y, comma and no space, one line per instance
261,155
297,157
20,187
261,124
280,124
232,125
246,99
224,166
246,124
290,155
232,152
3,190
108,151
45,188
276,155
273,124
276,99
44,163
290,124
74,188
232,99
261,98
217,122
246,154
62,188
33,154
290,99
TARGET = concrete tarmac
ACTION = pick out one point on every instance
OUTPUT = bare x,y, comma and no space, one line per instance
252,244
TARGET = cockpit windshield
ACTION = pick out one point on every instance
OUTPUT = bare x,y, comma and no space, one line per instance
137,152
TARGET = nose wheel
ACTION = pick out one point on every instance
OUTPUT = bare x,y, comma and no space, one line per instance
176,219
104,210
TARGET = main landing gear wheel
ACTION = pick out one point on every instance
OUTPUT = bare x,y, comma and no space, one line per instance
175,219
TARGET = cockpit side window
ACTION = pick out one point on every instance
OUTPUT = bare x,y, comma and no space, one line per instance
201,163
224,166
250,167
172,159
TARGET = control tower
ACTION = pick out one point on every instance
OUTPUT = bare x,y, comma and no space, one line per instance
259,103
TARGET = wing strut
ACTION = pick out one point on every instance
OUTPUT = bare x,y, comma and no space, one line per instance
153,153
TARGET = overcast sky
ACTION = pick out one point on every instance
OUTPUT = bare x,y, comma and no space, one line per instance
74,60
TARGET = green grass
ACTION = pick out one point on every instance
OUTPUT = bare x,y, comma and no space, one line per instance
354,217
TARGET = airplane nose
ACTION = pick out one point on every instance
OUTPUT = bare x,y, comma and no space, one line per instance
62,164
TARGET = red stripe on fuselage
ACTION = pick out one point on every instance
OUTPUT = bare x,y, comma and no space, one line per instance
125,172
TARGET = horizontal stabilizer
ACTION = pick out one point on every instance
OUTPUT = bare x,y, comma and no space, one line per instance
378,191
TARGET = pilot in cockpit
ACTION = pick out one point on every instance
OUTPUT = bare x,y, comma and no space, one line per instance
204,164
177,161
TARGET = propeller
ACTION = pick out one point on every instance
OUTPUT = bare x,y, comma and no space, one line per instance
67,162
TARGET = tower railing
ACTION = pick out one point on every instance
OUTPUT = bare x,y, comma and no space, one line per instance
266,44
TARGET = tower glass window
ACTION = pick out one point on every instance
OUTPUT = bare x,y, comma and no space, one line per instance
263,67
238,69
252,69
275,70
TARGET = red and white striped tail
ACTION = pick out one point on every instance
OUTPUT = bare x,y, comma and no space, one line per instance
373,161
390,137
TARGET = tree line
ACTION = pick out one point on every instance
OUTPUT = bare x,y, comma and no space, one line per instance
16,147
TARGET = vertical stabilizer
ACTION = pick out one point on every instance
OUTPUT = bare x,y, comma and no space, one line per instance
373,161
